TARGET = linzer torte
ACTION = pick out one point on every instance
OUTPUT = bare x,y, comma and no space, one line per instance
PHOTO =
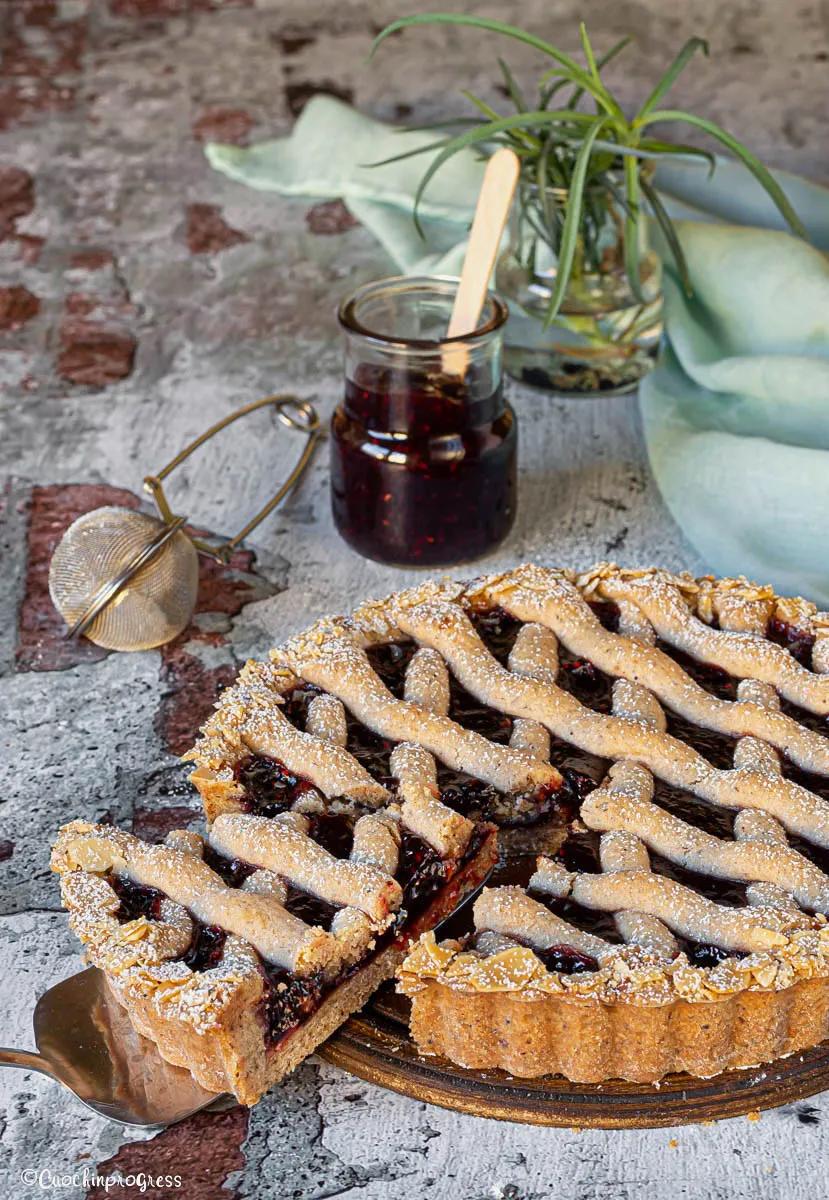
667,734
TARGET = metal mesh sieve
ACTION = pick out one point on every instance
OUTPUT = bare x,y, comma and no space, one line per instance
153,605
129,581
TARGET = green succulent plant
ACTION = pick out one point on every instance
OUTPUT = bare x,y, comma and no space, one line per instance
582,158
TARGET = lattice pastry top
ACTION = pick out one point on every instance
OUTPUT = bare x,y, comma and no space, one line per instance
192,885
690,717
676,727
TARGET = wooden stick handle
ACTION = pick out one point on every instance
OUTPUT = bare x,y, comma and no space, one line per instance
491,212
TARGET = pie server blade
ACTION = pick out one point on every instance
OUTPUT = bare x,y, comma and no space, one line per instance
86,1042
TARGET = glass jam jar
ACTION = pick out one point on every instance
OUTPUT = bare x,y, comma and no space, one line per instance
423,447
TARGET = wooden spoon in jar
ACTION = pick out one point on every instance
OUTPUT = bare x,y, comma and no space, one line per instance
491,212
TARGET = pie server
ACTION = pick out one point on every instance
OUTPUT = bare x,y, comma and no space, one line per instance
85,1041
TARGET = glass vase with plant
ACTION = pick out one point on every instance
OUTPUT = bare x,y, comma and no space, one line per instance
581,278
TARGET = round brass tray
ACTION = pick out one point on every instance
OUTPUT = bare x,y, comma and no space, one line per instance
375,1045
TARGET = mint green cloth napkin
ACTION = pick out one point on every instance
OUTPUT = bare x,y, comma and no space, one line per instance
736,415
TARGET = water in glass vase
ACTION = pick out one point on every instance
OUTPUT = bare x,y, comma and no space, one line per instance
604,338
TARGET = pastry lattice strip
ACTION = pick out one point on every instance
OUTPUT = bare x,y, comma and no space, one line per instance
742,651
623,811
251,722
257,917
332,658
625,804
427,686
446,628
540,594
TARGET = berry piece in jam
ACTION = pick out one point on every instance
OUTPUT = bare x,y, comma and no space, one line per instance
702,955
798,642
270,788
136,900
567,960
287,1001
421,871
206,948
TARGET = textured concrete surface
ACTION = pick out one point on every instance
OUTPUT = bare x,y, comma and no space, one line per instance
142,297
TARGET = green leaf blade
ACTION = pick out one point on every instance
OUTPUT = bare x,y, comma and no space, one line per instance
576,73
632,216
671,75
749,160
667,226
572,221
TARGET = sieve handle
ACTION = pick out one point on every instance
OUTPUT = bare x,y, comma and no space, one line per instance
297,414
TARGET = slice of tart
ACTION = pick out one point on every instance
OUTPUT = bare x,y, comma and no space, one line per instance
237,954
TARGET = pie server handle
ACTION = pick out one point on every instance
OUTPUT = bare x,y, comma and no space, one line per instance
26,1060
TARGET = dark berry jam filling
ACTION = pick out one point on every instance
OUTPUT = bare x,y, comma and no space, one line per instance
817,722
295,702
270,788
567,960
390,660
371,751
287,1001
728,892
700,954
583,680
421,872
497,630
712,679
469,712
234,871
310,909
206,948
798,642
717,747
708,817
333,831
136,900
607,612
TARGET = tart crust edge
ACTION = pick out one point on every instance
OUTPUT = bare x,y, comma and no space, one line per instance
590,1042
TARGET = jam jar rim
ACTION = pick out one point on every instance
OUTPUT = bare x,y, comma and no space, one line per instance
346,313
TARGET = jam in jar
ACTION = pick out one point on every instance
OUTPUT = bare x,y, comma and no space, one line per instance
423,447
